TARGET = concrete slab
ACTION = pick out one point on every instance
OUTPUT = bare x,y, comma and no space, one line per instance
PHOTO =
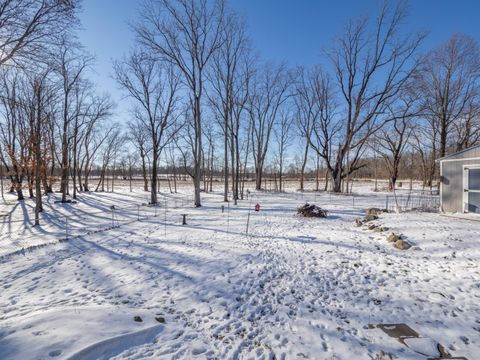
411,339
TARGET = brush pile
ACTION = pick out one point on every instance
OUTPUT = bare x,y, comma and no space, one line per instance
310,210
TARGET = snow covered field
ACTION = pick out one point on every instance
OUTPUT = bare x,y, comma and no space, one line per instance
290,288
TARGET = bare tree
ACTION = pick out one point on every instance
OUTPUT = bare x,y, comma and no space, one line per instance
186,34
306,104
283,137
26,26
91,109
449,81
393,138
110,150
13,131
153,86
466,130
224,73
95,135
271,91
323,110
239,135
370,71
138,135
42,94
70,63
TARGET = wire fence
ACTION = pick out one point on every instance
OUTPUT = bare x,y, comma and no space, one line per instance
412,202
20,235
59,227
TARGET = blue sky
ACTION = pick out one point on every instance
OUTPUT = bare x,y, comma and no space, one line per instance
294,31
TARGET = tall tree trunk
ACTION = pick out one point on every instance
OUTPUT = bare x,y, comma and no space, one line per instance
225,164
327,177
38,159
144,172
74,167
64,161
153,184
337,180
304,164
197,169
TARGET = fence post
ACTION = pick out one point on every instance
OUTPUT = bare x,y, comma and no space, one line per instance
248,217
66,227
113,217
165,221
138,212
228,218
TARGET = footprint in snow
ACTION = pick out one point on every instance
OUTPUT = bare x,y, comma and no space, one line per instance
55,353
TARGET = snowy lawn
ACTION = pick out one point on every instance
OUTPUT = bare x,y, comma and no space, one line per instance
290,288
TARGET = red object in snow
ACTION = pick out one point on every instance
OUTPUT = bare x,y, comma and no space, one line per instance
257,207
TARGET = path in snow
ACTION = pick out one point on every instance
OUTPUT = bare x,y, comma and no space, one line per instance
294,288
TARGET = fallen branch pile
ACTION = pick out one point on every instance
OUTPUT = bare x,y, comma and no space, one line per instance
308,210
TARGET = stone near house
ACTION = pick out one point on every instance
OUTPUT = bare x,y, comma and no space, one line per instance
370,217
402,245
373,211
393,237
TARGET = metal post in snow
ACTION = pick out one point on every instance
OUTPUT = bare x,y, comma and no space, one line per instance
228,218
138,212
248,217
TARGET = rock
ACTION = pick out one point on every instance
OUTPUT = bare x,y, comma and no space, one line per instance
402,245
137,318
393,237
358,222
160,319
379,229
373,211
370,217
372,227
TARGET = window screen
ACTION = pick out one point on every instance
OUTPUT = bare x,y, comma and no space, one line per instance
473,179
474,202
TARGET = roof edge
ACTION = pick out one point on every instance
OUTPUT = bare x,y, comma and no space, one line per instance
457,153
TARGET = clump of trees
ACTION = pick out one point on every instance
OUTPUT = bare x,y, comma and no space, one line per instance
50,112
206,106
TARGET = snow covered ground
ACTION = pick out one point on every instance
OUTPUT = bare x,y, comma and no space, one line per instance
290,288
